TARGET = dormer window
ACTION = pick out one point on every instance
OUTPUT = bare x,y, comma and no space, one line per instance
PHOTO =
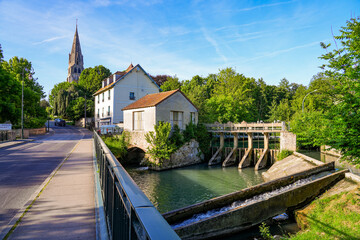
132,96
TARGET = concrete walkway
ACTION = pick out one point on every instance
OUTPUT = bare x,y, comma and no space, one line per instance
65,208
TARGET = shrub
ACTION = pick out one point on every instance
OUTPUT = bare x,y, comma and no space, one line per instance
118,144
283,154
161,146
176,137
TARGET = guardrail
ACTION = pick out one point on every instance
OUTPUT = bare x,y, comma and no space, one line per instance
129,213
246,127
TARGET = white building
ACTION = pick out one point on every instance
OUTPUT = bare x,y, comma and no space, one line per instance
120,90
171,106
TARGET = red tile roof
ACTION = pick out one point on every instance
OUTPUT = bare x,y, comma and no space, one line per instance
151,100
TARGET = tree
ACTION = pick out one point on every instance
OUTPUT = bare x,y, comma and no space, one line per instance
231,98
160,79
171,84
20,70
91,78
343,69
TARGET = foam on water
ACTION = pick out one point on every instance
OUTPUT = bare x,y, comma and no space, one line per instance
236,204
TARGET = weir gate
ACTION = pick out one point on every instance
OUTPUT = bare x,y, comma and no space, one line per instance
250,156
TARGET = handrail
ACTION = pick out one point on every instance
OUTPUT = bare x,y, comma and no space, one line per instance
129,213
246,127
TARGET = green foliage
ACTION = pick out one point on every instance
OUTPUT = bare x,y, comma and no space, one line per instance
13,74
334,217
91,78
265,232
161,146
76,108
343,70
283,154
118,144
176,137
310,128
189,132
172,83
203,137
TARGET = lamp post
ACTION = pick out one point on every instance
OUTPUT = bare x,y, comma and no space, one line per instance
305,97
22,100
85,110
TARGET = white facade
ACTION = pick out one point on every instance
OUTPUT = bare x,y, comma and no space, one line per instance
115,95
176,109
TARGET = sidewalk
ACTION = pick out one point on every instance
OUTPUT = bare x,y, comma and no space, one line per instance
65,209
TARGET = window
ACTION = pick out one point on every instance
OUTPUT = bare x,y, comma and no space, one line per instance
98,114
132,96
192,117
103,97
102,113
108,113
176,118
109,95
138,118
98,97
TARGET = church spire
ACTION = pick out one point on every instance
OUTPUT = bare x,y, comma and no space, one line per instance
76,64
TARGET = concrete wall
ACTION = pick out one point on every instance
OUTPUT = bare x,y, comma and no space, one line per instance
135,81
176,102
148,118
287,141
81,122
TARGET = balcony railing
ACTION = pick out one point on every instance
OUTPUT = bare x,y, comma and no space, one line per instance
129,213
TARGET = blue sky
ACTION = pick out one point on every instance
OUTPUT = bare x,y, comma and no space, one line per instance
261,39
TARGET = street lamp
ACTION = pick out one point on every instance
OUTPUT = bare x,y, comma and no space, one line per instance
22,100
304,99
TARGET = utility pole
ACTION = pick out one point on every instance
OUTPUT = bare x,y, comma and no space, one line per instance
85,110
22,105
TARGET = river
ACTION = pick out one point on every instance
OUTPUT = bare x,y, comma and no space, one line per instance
177,188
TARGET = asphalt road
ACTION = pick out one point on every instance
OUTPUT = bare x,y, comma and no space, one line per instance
23,168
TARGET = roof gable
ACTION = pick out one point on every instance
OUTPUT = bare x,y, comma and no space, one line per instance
122,75
154,99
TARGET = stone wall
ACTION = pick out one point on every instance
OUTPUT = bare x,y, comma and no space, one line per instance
188,154
37,131
18,133
137,139
287,141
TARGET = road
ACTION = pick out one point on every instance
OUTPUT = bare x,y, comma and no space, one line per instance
23,168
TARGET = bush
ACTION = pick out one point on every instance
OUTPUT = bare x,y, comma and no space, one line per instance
176,137
283,154
161,146
118,144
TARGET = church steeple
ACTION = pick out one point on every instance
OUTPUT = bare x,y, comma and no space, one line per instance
76,62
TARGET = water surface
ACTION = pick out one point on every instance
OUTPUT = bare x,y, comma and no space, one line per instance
172,189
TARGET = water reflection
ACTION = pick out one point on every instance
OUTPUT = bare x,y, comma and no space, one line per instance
177,188
330,158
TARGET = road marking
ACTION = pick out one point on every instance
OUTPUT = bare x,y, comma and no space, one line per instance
11,226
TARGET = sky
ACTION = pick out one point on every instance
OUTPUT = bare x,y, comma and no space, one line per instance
261,39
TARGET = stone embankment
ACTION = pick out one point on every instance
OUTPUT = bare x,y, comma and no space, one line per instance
292,164
188,154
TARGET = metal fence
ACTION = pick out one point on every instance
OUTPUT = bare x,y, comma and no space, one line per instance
129,213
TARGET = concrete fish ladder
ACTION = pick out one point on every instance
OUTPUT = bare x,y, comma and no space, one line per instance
243,217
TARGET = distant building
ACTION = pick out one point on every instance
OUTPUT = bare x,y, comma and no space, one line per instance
76,61
120,90
171,106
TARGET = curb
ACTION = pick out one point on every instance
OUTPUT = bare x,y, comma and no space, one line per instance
100,218
11,226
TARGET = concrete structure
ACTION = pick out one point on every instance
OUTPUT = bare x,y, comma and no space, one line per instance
245,216
76,61
248,158
120,90
172,106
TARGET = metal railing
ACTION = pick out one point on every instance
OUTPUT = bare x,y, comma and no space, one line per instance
129,213
247,127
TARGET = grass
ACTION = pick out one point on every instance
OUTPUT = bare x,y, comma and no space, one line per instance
117,144
335,217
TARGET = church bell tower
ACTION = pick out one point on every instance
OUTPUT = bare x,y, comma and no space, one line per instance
76,62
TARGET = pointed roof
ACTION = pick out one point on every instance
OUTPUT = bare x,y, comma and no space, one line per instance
154,99
120,75
76,43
